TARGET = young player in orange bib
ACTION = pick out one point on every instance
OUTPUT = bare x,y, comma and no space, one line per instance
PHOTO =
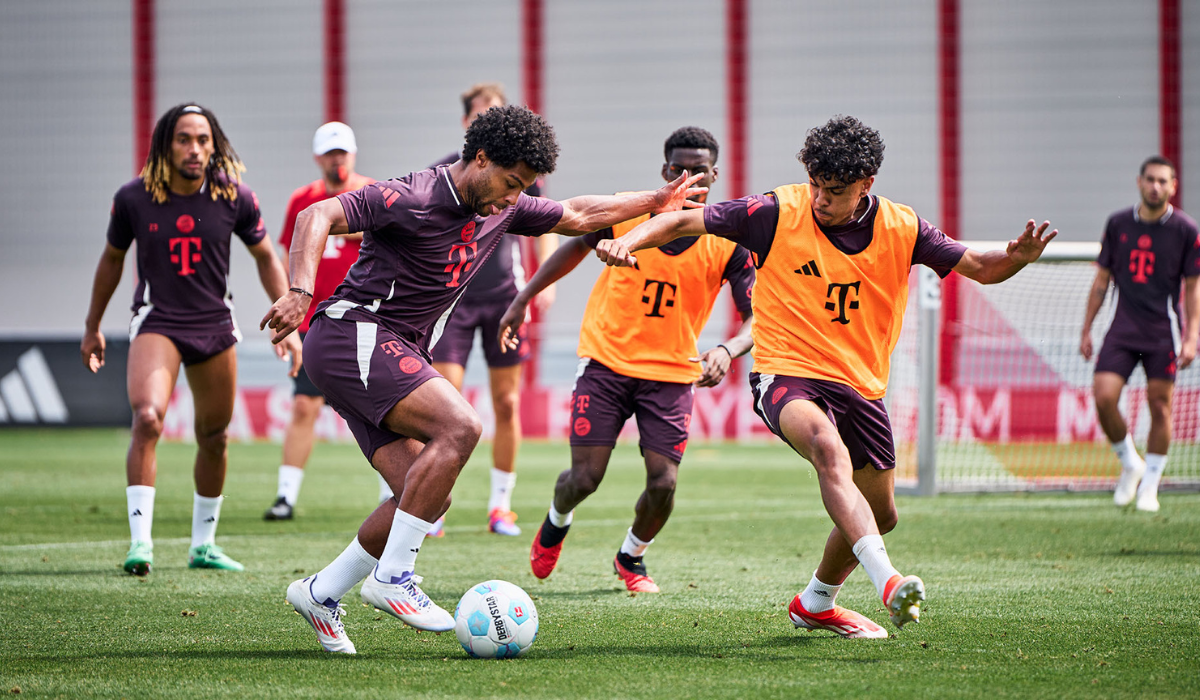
638,357
833,264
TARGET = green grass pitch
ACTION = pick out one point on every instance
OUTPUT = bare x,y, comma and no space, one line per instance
1030,595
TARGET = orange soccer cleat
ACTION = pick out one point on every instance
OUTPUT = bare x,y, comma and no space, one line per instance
845,623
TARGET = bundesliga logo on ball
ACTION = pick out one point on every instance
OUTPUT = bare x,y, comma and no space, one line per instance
495,620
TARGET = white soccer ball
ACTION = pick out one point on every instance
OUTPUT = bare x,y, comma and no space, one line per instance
495,620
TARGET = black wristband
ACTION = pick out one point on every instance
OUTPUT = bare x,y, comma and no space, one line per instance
722,346
310,296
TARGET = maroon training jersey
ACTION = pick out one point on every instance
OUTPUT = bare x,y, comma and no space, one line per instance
421,246
501,275
183,255
751,222
1148,261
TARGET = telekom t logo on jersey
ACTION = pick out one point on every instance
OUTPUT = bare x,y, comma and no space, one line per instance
843,300
1141,260
658,299
185,251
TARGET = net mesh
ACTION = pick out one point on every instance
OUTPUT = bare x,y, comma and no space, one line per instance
1015,409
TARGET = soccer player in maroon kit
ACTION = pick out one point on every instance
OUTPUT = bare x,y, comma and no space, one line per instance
481,308
425,237
334,151
182,212
1147,250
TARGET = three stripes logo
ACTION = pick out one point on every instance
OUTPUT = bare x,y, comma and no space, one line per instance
29,394
389,195
809,269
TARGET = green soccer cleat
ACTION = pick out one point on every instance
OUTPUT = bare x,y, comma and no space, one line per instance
210,556
140,558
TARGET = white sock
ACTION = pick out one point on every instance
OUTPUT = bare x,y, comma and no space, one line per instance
1126,451
633,546
1155,464
819,597
558,519
385,491
141,511
205,514
874,559
335,580
290,479
502,488
404,542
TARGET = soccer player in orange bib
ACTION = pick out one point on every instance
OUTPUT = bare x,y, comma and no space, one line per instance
833,263
638,357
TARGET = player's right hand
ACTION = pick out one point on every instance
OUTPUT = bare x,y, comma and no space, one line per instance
510,323
1085,346
286,315
92,350
615,253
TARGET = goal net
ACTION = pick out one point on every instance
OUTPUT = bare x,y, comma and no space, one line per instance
999,398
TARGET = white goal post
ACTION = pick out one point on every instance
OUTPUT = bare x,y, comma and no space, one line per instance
988,390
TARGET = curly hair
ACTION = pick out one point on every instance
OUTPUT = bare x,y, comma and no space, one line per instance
843,150
691,137
512,134
223,171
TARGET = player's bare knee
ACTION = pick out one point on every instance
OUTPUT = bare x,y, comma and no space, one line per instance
661,488
886,518
830,457
212,440
584,481
506,406
147,423
306,408
462,433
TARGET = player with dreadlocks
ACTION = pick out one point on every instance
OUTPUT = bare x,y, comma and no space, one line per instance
182,212
425,236
833,266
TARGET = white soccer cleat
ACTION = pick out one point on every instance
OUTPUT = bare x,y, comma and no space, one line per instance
403,600
1128,483
1147,502
842,621
325,620
903,596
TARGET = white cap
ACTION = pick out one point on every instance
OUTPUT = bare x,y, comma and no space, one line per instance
332,137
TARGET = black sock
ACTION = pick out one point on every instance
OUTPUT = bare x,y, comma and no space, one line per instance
552,535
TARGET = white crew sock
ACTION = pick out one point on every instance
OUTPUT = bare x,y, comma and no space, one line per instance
205,514
633,546
874,559
558,519
502,488
404,542
385,491
819,597
1126,451
290,479
1155,464
335,580
141,511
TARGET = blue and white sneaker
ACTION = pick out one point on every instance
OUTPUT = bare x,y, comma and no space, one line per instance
324,618
403,600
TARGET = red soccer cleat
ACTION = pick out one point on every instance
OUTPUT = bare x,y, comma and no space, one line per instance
845,623
635,576
543,559
903,596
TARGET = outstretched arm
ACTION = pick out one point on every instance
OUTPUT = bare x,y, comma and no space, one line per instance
593,212
565,259
658,231
1095,300
996,266
1191,315
108,276
313,226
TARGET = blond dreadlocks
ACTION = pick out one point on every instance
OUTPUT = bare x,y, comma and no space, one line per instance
223,172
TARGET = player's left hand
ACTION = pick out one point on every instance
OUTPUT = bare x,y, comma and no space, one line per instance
1187,354
673,196
715,363
286,315
1030,244
291,350
510,324
614,253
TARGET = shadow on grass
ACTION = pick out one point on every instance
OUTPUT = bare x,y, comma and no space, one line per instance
1131,552
114,573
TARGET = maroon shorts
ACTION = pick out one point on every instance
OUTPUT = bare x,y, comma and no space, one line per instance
862,424
459,334
603,400
363,370
1121,359
195,349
